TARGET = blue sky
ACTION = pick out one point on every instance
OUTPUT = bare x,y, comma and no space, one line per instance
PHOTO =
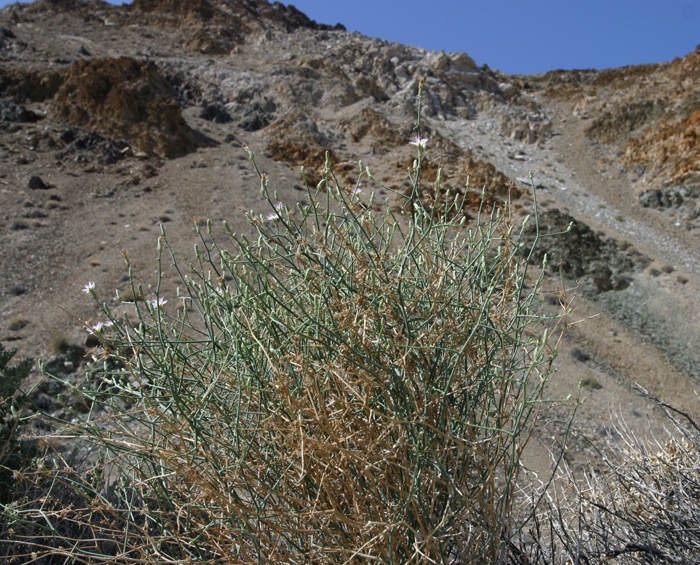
520,36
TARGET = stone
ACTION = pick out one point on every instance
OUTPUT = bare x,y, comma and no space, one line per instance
216,113
17,113
254,122
35,182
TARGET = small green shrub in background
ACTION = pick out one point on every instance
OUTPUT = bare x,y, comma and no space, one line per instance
346,388
14,452
589,381
17,323
58,343
624,244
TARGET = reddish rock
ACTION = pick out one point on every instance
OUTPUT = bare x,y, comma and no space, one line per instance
672,148
29,84
127,100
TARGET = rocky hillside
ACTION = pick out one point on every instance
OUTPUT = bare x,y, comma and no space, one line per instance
117,119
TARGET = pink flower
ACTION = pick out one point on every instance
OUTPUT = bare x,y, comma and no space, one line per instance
274,216
419,141
99,326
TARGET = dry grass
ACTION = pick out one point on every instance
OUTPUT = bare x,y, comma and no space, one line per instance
640,505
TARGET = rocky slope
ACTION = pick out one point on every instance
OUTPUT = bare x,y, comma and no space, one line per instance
114,120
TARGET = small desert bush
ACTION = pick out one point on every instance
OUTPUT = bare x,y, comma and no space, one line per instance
638,504
15,452
348,387
58,343
17,323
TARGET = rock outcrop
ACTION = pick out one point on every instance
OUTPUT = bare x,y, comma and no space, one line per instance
127,100
30,84
215,27
670,150
579,253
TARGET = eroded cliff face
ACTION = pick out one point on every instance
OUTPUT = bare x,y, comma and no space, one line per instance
117,119
126,100
648,118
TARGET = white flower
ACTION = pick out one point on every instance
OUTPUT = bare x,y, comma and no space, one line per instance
158,302
274,216
96,327
419,141
355,192
89,287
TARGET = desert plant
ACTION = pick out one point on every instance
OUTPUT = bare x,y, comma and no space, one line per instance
14,452
17,323
347,388
639,503
58,343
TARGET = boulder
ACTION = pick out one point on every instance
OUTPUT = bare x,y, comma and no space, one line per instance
36,182
11,112
216,113
34,84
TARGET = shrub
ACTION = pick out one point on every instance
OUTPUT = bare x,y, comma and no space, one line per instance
360,391
58,343
17,323
641,505
14,452
589,381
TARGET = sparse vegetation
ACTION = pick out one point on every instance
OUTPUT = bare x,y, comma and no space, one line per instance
58,342
589,381
639,505
15,452
127,295
18,224
17,323
580,356
624,244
